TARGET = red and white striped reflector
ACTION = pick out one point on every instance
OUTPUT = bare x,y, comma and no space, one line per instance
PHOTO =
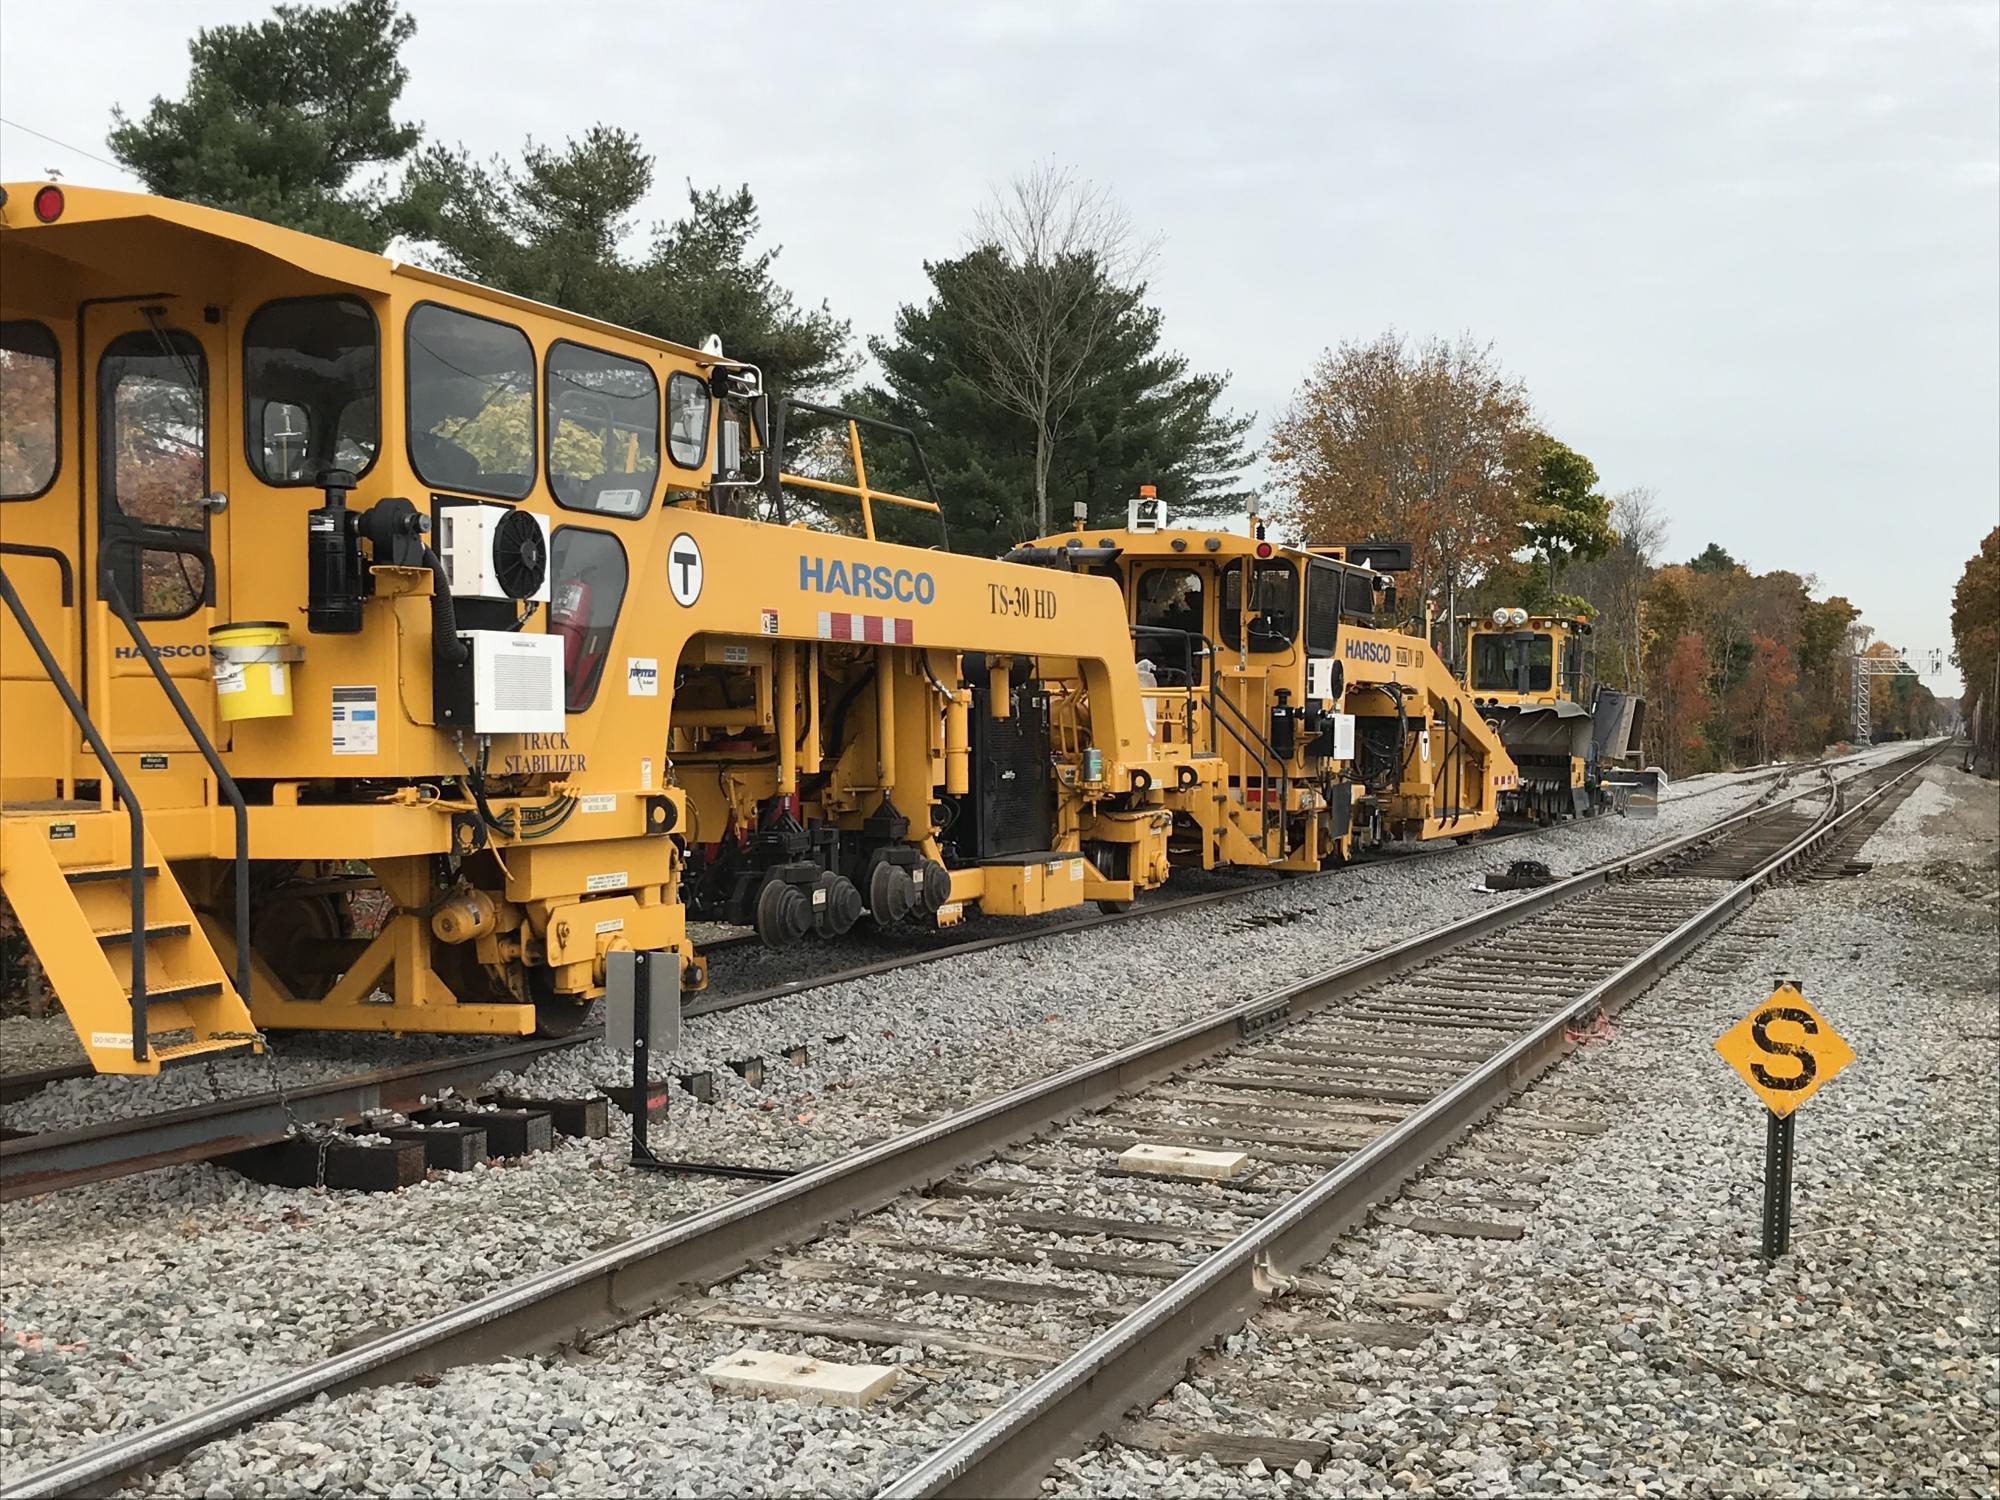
888,630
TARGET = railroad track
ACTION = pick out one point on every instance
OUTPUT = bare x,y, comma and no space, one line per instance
1338,1090
49,1161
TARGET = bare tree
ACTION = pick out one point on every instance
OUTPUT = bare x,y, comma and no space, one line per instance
1054,264
1616,583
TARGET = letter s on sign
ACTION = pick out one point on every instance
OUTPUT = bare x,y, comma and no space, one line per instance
1760,1033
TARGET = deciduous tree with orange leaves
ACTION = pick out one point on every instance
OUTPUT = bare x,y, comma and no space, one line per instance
1428,443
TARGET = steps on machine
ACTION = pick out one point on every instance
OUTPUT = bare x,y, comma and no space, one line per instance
72,896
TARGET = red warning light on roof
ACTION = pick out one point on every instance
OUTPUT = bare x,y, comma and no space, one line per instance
1263,549
49,203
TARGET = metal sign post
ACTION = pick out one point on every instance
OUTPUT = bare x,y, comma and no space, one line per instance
1784,1050
1777,1183
642,1015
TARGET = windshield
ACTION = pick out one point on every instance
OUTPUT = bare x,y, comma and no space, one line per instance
1497,661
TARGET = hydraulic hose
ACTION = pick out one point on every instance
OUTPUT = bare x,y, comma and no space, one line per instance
445,644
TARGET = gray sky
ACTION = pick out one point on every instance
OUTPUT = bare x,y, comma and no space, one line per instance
1745,254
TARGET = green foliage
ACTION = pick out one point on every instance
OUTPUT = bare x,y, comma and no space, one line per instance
555,225
1713,560
280,116
1565,517
1140,417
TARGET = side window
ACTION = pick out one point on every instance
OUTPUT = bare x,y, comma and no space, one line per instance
1324,582
471,403
1273,612
28,445
312,389
687,419
587,586
603,430
1169,599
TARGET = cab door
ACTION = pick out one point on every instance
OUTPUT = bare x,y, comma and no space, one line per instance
158,402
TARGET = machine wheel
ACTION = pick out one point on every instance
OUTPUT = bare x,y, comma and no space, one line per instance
1113,862
784,914
555,1015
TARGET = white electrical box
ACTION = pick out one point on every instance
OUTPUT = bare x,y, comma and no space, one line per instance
1321,673
1343,737
517,682
491,552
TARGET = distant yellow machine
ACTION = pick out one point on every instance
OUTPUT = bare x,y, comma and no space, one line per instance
381,652
1575,741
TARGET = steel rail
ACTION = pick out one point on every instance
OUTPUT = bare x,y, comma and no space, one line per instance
614,1285
1010,1452
49,1161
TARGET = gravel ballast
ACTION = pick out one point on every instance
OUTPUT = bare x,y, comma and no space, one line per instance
131,1301
1634,1341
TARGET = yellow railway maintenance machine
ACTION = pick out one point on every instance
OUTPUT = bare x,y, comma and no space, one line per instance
1530,676
1308,729
413,630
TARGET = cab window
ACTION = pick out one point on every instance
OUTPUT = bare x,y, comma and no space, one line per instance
27,409
1497,662
603,430
1171,599
587,585
312,389
1272,615
687,419
471,403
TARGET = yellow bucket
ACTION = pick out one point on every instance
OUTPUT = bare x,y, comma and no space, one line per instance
252,661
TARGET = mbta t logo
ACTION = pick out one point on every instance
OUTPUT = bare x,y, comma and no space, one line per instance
684,569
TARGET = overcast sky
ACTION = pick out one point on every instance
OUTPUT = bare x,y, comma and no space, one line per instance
1745,254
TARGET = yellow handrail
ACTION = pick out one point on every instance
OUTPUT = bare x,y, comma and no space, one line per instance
859,490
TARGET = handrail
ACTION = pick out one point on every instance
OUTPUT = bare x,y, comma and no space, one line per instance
134,815
859,490
225,783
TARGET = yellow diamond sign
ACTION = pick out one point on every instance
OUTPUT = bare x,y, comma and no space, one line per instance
1784,1049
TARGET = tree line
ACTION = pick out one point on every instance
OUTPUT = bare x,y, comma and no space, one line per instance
1036,374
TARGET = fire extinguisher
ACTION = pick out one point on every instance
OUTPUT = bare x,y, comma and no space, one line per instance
569,614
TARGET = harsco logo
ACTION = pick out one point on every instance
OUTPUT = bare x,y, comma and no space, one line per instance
1367,651
821,575
132,652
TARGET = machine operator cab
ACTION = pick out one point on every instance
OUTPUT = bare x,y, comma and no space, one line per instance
1310,724
1533,677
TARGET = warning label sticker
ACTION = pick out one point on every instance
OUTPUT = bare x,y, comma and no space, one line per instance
354,721
614,881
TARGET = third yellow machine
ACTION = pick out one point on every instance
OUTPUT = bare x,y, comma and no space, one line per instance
382,651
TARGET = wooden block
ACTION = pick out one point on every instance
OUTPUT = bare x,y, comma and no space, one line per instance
586,1119
509,1132
1223,1447
1182,1161
815,1382
298,1162
447,1148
